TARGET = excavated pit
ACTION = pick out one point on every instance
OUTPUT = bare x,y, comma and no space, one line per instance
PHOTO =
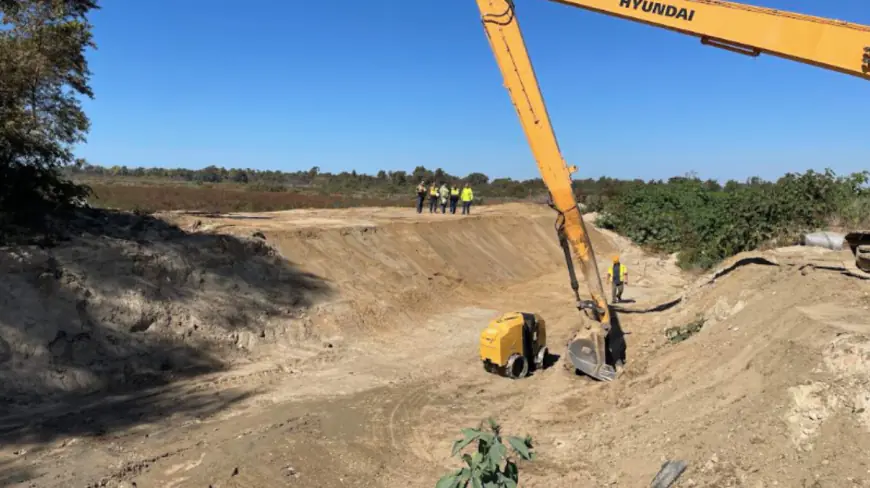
147,302
357,344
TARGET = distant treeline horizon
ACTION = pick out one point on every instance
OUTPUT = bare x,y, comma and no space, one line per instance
395,182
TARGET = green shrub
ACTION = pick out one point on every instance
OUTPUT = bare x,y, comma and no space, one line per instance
484,468
705,224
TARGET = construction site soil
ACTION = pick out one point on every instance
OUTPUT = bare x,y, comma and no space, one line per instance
338,348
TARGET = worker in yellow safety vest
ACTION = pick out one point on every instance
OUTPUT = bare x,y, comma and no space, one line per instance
467,196
617,275
433,197
454,197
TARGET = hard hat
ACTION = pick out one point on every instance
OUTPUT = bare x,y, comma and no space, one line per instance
615,258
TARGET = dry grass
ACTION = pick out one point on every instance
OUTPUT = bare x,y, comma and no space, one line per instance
220,198
853,217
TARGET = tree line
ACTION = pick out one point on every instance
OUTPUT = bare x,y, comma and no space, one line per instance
591,191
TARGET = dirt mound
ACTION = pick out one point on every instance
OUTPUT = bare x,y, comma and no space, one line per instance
136,302
773,390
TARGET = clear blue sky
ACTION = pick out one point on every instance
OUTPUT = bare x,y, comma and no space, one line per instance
391,84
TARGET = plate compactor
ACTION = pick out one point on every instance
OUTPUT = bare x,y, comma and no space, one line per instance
514,344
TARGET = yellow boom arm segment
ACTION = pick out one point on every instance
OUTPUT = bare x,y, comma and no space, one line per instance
830,44
826,43
506,40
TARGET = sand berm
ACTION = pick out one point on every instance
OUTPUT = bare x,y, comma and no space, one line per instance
338,348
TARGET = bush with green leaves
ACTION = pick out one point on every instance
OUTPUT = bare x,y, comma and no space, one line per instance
490,465
43,75
706,224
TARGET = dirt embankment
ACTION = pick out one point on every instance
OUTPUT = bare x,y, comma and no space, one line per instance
391,275
358,346
771,392
391,267
136,301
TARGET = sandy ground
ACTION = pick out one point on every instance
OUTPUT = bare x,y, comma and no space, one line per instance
362,374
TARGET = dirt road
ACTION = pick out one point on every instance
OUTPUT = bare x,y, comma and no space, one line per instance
365,379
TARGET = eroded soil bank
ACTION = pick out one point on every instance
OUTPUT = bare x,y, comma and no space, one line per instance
338,348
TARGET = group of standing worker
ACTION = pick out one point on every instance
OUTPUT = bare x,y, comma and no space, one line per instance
444,195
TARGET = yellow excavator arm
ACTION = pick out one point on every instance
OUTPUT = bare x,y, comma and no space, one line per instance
746,29
830,44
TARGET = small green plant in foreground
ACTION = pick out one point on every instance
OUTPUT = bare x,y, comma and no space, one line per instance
484,468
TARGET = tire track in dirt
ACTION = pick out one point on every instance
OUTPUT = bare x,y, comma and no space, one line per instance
404,413
403,427
405,436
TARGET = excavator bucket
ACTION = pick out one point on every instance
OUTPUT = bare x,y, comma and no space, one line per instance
588,355
859,244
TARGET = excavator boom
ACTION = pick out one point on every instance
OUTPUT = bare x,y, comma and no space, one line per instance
830,44
503,31
746,29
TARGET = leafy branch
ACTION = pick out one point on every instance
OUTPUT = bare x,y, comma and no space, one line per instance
489,466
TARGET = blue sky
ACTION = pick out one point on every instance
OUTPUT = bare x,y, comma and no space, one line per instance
391,84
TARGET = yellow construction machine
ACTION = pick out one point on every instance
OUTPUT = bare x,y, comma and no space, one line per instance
514,344
829,44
